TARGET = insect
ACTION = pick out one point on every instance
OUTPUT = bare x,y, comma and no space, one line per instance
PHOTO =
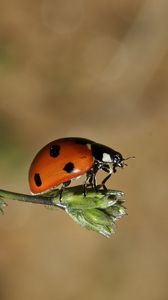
65,159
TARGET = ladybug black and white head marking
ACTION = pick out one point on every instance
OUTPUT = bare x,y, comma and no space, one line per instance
107,155
115,158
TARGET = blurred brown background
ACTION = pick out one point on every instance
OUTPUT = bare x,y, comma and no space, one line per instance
95,69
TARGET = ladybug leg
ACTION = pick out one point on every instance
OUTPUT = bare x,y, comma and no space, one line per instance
90,181
97,166
84,189
109,170
64,185
94,183
91,177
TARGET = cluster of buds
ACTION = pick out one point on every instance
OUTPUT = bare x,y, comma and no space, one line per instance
97,211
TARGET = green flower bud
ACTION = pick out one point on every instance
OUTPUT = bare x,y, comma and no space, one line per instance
74,198
92,219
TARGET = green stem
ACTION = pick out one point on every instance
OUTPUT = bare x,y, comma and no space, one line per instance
7,195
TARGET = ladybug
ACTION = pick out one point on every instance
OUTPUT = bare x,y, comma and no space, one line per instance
65,159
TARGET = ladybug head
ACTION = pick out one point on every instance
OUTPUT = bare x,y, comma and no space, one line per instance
119,161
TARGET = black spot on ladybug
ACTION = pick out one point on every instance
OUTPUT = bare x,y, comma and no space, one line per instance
69,167
37,179
54,150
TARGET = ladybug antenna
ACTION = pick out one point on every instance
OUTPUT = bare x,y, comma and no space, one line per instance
127,159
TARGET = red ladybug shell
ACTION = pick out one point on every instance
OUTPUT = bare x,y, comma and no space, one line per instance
58,162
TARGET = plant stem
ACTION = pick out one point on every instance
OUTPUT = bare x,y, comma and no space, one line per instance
7,195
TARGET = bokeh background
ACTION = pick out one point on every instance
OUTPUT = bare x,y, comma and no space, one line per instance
95,69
